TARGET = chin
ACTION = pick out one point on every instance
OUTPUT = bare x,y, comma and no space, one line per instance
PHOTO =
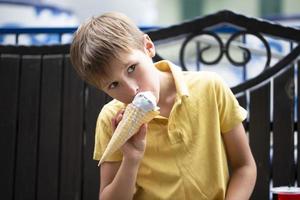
157,97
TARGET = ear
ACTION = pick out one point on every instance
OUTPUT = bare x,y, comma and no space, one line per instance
149,46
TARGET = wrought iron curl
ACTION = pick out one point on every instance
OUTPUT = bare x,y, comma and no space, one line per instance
201,51
224,49
247,55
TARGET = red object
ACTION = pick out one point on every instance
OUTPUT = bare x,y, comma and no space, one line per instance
287,196
286,193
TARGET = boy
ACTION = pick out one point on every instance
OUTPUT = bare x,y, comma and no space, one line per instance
182,153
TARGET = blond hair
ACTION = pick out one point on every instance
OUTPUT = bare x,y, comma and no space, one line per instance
101,39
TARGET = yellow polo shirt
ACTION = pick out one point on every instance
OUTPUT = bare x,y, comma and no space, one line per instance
185,156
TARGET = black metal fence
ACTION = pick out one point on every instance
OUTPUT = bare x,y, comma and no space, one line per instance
48,115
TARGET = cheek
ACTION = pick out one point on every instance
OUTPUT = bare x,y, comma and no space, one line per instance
121,97
150,82
146,81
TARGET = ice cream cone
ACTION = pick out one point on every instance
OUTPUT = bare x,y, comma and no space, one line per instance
142,110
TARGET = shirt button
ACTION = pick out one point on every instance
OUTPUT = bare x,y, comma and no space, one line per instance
176,137
172,127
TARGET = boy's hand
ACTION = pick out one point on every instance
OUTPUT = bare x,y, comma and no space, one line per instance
134,148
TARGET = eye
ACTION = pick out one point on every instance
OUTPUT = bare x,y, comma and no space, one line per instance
113,85
131,68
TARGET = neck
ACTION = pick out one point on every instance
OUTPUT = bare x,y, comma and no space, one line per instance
167,93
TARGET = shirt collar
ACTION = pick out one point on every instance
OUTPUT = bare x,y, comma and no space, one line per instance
176,71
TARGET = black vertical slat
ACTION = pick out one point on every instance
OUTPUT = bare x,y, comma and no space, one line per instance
49,140
259,138
9,83
298,122
95,101
243,102
283,148
27,141
72,135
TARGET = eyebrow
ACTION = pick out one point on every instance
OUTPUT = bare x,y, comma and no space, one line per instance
106,83
127,64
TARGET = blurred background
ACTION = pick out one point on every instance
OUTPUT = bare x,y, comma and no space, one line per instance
146,13
48,116
39,22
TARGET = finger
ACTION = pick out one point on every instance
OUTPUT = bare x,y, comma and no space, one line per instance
113,123
117,118
141,134
139,139
121,111
119,115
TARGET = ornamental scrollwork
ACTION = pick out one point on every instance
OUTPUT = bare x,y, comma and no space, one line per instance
224,49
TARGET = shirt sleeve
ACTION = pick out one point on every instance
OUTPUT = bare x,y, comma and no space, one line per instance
231,113
103,134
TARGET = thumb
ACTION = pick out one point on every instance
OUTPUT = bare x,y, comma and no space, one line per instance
141,134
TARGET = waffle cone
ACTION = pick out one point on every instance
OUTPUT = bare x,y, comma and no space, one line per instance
132,120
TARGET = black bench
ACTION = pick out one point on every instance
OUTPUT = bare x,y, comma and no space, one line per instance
48,115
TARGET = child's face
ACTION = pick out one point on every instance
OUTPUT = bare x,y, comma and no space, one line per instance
132,73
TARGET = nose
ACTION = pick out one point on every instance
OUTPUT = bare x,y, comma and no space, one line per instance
132,88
